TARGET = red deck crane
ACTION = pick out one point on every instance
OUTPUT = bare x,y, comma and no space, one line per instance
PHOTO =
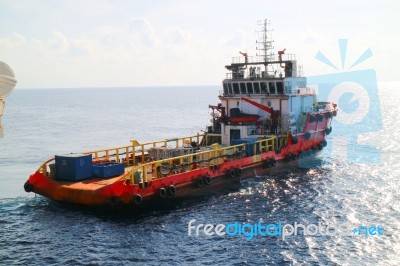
262,107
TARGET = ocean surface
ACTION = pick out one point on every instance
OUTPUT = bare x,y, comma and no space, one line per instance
358,187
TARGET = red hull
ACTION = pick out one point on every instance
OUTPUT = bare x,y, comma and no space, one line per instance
98,192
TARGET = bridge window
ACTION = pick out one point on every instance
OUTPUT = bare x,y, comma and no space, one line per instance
226,90
279,86
256,86
264,88
272,89
236,88
230,88
249,88
243,88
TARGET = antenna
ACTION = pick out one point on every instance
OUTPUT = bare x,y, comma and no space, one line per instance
265,42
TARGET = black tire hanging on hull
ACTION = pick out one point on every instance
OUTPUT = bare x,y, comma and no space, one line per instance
137,199
28,187
171,189
162,192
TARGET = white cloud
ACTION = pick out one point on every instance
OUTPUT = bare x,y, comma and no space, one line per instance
142,32
89,9
179,42
237,39
140,53
59,43
11,42
175,36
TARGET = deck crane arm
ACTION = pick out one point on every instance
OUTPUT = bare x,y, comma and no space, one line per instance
262,107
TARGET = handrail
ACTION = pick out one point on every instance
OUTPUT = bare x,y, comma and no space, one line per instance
127,153
191,161
179,142
43,167
97,155
261,59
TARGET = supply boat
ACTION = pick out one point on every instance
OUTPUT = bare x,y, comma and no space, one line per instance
266,117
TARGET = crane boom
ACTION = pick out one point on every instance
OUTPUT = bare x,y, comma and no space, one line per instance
262,107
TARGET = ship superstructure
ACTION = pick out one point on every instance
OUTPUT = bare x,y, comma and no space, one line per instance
263,95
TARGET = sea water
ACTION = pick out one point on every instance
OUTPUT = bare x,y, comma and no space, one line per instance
40,123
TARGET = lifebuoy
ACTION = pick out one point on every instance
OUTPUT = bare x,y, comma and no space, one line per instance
137,199
162,192
320,117
171,190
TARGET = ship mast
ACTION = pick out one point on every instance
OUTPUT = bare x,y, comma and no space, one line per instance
265,44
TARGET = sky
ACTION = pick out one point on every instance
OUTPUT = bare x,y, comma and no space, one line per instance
121,43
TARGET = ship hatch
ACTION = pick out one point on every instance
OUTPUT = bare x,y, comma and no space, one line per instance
235,134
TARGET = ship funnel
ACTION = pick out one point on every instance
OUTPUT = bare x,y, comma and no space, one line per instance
7,85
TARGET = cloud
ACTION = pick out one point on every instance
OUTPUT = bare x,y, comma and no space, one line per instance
14,40
98,8
142,32
176,36
139,52
59,43
237,39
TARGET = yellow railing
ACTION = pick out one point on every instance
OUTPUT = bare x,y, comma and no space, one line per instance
141,149
283,141
215,156
127,154
135,155
117,154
